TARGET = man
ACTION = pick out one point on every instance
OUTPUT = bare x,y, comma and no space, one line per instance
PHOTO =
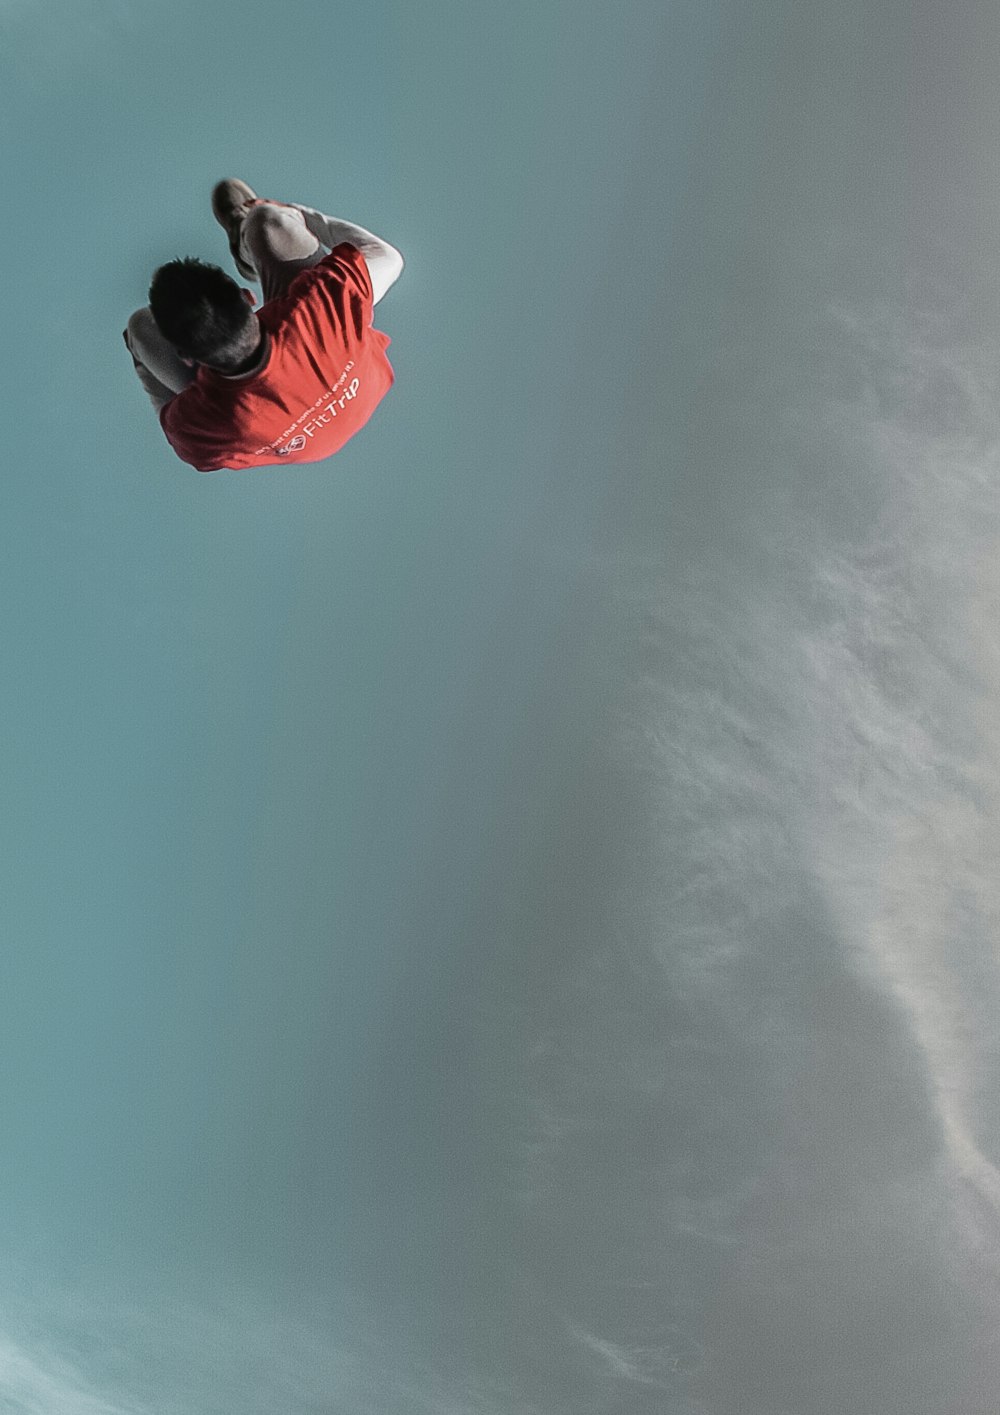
291,382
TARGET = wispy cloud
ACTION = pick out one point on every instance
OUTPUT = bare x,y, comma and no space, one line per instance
840,710
77,1351
652,1366
811,722
43,1381
80,1350
898,663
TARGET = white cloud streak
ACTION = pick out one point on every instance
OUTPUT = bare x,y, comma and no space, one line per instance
898,693
862,733
652,1366
43,1382
68,1351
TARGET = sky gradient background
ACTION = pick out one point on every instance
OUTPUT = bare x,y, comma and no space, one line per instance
505,922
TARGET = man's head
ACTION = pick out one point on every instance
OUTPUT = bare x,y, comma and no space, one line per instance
204,314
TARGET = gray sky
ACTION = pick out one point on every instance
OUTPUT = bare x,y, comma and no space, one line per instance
504,922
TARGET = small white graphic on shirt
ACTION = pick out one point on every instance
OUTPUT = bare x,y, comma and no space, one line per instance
322,411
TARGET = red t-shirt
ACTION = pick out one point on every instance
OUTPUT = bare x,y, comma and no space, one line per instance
325,373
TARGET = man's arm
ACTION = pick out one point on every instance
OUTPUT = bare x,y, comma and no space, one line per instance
384,262
161,372
158,392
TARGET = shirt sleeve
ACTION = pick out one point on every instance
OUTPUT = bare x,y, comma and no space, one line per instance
349,266
340,297
186,449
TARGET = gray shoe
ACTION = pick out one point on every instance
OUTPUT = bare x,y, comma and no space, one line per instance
231,200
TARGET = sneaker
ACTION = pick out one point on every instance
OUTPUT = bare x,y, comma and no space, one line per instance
231,200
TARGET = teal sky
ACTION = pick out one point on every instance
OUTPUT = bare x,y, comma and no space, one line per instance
503,922
261,733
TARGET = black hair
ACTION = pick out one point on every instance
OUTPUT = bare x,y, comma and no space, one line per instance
201,311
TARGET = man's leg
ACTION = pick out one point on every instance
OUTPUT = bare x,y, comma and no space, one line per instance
161,370
278,244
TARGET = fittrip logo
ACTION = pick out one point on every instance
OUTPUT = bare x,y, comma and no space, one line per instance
323,411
